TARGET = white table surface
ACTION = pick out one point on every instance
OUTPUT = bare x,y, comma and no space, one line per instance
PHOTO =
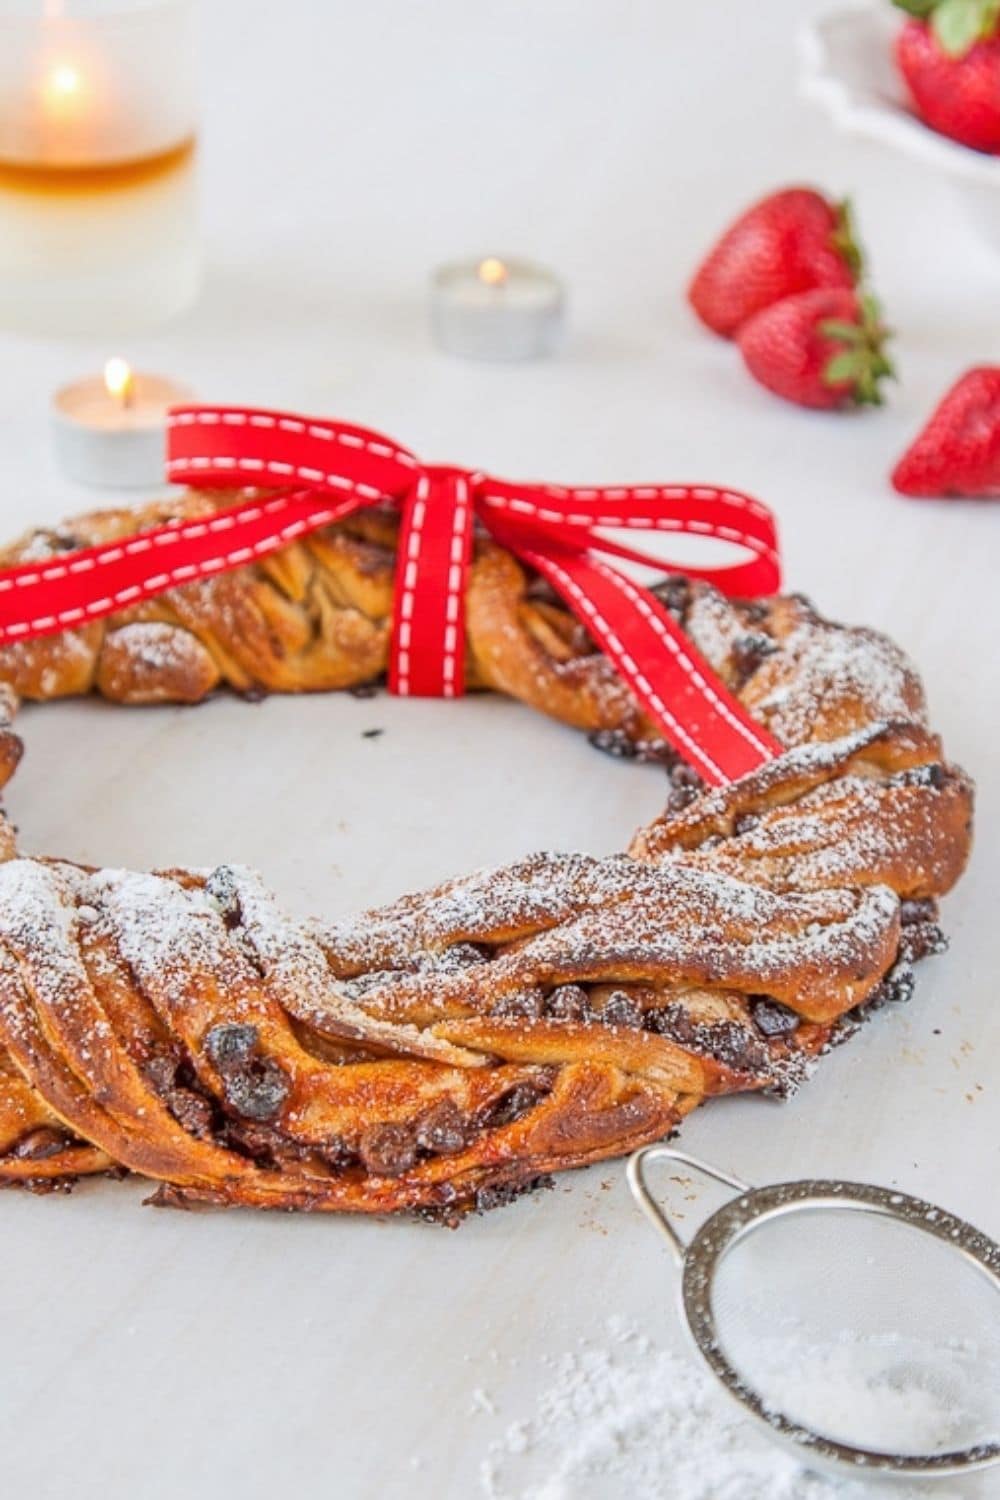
347,150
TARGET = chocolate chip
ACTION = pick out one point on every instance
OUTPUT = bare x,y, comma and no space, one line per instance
255,1087
771,1018
442,1129
686,785
680,798
513,1105
191,1110
730,1043
173,1081
674,593
388,1150
525,1005
672,1021
41,1143
231,1046
914,911
895,989
683,775
337,1153
749,651
932,776
500,1194
920,942
462,955
727,1041
613,742
257,1091
568,1003
221,887
621,1010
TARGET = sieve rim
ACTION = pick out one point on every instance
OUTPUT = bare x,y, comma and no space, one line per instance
755,1207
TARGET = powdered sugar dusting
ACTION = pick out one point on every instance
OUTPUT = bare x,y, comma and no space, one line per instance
627,1419
829,670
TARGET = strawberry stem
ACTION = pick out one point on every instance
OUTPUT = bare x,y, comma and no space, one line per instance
860,358
845,240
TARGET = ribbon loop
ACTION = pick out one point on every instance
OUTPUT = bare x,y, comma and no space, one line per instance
315,472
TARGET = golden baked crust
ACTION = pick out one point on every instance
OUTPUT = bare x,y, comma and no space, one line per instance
447,1050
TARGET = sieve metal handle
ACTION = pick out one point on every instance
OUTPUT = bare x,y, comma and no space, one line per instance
635,1172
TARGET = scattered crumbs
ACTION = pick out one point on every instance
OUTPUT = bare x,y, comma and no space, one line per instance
371,734
481,1401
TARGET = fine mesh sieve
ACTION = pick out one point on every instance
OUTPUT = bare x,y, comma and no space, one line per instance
860,1325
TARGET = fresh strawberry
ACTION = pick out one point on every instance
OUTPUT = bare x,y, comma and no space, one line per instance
949,55
822,348
789,242
958,451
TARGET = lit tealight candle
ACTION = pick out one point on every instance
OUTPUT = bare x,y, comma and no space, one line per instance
98,201
110,431
496,309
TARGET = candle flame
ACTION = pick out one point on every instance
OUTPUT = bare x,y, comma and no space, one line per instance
119,380
63,81
492,271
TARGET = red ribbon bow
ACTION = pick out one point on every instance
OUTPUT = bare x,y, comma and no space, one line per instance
326,470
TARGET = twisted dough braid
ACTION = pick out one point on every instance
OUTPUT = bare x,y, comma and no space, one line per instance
448,1050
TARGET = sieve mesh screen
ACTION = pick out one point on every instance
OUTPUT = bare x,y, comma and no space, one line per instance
862,1328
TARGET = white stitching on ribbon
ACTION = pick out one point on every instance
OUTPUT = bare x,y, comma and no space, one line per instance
689,665
634,523
611,637
279,470
328,431
187,531
418,516
181,574
456,579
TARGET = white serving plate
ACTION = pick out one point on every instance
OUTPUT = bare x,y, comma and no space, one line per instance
847,68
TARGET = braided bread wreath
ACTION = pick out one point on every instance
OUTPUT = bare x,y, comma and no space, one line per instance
447,1051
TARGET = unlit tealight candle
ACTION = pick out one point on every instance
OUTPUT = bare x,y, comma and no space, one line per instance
496,309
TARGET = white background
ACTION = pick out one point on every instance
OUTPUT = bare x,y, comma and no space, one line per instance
347,149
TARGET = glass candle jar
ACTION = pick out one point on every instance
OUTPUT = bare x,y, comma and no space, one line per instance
98,203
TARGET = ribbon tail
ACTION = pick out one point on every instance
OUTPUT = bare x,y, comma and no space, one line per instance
696,713
64,593
432,564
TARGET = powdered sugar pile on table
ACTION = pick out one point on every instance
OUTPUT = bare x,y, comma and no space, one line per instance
630,1420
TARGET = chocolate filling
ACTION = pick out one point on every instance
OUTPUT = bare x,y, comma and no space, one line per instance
388,1150
569,1002
173,1080
727,1041
771,1018
443,1130
41,1143
525,1005
255,1087
513,1105
621,1010
748,652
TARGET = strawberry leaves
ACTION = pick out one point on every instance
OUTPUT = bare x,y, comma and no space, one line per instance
844,238
861,361
957,24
